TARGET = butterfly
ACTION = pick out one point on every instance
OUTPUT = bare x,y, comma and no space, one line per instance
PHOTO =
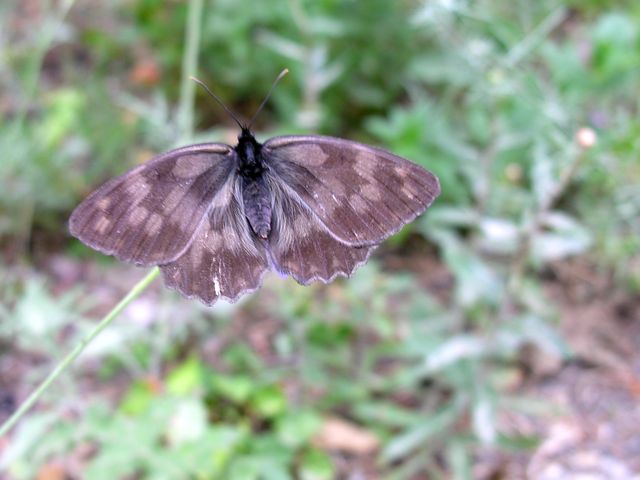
215,217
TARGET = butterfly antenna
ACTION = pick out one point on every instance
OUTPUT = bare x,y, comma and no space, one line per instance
275,82
215,97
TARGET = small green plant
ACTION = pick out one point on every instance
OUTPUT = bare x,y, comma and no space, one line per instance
197,423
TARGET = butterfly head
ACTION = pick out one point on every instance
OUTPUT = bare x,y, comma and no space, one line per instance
246,136
248,149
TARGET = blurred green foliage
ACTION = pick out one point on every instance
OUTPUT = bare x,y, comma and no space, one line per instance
168,433
490,96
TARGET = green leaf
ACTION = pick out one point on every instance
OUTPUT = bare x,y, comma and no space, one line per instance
111,463
269,401
518,443
295,429
63,111
188,422
264,458
483,414
426,429
138,398
542,172
476,281
185,378
460,461
563,236
537,330
384,413
237,388
259,468
498,236
316,465
455,349
213,452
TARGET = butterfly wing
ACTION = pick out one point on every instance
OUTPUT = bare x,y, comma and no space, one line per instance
361,194
225,260
151,214
301,246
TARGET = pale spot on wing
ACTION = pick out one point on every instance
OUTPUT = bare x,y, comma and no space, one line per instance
190,167
102,225
214,240
216,286
358,203
314,155
407,191
401,172
363,161
173,199
104,203
138,215
231,237
197,251
302,226
152,227
136,186
370,191
336,185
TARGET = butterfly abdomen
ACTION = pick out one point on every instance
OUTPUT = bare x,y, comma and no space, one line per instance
257,205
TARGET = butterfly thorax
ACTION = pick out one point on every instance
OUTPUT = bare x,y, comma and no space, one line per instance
256,195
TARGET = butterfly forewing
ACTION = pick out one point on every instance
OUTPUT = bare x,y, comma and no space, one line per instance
361,194
224,260
150,214
301,246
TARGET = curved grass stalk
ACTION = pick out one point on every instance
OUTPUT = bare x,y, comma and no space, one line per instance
75,353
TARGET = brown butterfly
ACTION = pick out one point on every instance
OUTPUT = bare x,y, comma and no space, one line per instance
216,218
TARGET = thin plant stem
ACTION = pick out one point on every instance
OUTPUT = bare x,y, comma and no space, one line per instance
189,67
79,348
536,36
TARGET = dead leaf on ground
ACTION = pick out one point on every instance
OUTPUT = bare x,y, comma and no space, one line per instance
52,471
339,434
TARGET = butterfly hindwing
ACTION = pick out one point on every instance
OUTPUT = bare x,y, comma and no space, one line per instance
301,246
150,214
361,194
225,260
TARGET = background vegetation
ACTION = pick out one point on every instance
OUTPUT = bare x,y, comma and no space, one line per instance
415,367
